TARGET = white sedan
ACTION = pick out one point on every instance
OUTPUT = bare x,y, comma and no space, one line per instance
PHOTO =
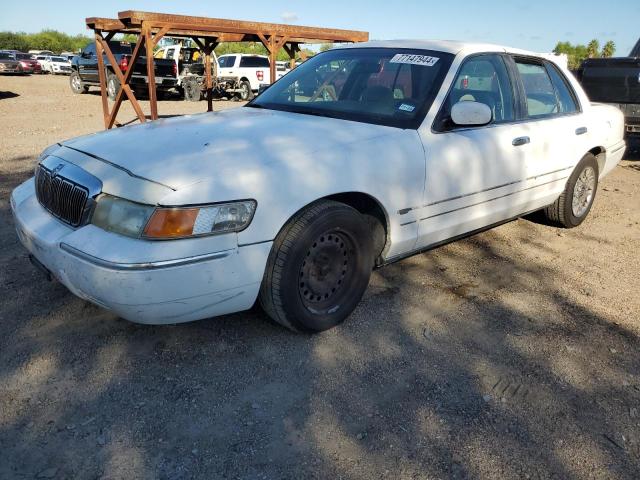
361,156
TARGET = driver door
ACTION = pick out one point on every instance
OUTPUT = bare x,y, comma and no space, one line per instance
474,175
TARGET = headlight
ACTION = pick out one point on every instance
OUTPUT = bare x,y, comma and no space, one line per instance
158,223
121,216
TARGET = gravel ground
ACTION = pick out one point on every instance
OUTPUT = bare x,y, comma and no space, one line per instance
511,354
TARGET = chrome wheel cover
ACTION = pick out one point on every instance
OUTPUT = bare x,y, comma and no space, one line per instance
583,192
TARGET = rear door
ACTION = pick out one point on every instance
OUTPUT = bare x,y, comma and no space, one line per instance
556,128
475,175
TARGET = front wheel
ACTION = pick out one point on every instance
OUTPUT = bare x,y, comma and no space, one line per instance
318,268
575,203
76,83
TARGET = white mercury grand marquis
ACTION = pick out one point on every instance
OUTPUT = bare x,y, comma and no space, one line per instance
361,156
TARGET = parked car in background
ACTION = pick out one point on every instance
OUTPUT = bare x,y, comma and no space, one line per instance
242,74
43,53
8,63
85,71
56,65
294,199
29,65
68,55
615,81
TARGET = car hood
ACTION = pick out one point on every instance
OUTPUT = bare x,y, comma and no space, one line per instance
180,151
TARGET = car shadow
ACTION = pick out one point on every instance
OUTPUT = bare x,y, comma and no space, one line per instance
4,95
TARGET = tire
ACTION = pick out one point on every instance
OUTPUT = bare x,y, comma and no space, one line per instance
192,90
246,93
573,206
318,268
77,86
113,86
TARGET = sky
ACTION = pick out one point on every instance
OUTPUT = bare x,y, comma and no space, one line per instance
535,25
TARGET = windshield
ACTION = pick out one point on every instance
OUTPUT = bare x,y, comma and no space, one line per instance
23,56
385,86
58,59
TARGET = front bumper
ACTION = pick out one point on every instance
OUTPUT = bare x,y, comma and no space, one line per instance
145,282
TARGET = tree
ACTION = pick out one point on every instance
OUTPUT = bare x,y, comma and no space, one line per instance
577,53
44,40
13,41
609,49
593,49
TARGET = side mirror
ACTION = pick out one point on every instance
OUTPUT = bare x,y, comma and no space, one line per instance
471,114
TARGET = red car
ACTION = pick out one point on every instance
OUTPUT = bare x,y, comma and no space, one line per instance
29,65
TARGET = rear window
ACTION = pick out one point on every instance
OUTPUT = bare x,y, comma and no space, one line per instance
253,62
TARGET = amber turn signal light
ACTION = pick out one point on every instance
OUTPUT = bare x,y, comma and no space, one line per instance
171,223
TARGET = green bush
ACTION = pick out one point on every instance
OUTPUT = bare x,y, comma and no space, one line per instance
45,40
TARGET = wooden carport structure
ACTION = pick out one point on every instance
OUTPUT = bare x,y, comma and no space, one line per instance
207,33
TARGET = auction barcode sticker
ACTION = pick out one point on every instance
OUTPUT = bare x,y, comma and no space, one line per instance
424,60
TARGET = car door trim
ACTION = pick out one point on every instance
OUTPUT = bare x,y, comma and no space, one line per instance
458,197
494,198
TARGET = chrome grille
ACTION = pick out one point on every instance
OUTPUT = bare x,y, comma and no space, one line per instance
63,198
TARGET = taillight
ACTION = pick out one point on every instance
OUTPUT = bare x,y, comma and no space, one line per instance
175,70
260,75
124,64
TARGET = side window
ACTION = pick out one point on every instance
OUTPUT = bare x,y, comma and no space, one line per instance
227,62
171,52
483,79
566,96
540,95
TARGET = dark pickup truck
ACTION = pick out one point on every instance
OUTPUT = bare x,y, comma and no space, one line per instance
616,81
85,71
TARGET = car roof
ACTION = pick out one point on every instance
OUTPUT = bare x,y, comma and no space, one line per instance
447,46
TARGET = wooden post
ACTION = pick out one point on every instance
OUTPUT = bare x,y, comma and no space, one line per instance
291,50
124,82
151,74
103,78
207,75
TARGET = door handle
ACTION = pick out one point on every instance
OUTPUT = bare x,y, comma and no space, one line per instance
581,130
517,142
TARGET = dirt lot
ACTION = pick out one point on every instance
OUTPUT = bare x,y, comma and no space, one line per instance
512,354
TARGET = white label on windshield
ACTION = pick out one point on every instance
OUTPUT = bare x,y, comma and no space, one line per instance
405,107
424,60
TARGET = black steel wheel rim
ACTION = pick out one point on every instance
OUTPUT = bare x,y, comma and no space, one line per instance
326,268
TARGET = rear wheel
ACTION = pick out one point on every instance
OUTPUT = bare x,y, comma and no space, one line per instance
575,203
246,93
318,268
113,86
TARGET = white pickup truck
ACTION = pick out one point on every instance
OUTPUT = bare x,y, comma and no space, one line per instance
361,156
243,73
